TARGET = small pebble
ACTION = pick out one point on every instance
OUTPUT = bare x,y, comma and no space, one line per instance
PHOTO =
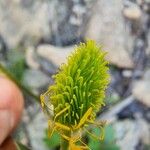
132,12
127,73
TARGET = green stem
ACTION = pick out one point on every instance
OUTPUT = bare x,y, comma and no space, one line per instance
65,143
10,76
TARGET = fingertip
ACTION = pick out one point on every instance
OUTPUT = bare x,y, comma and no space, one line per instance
9,92
11,107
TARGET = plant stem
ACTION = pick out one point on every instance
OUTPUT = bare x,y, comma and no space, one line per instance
25,89
65,143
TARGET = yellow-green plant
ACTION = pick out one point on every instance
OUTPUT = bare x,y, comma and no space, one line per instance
77,94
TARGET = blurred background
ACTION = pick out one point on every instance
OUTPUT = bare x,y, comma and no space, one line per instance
36,36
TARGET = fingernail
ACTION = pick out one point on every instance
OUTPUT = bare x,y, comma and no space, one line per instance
6,124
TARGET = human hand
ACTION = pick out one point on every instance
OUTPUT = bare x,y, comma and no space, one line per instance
11,107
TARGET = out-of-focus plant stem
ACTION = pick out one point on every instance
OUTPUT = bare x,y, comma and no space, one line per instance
64,145
11,77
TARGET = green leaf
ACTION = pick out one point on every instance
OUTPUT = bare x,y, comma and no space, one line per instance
16,63
52,142
107,144
93,143
21,146
109,134
113,99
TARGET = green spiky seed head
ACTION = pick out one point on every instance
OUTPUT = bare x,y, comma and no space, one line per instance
79,84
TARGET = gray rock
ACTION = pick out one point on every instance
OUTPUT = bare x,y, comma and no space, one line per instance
57,55
129,133
68,20
3,49
107,27
36,132
35,79
56,21
37,62
127,73
141,89
148,47
47,66
23,22
133,12
147,1
31,58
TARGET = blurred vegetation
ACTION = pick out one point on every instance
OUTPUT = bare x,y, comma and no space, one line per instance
16,63
21,146
113,99
107,144
52,142
14,68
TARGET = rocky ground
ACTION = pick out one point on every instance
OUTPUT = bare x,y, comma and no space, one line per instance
40,34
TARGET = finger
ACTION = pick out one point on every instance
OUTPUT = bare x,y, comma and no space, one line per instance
11,106
8,145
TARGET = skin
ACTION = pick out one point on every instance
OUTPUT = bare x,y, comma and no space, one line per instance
11,107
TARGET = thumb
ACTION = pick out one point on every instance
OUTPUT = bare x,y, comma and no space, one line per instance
11,106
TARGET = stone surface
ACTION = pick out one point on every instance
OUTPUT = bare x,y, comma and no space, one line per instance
36,132
128,133
23,21
147,1
3,49
127,73
141,89
107,27
148,47
31,58
47,66
68,20
57,55
132,12
55,21
145,131
35,79
37,62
